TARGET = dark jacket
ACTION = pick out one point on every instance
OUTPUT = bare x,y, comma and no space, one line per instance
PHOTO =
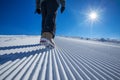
60,2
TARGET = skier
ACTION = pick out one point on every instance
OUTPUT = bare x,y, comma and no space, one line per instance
48,9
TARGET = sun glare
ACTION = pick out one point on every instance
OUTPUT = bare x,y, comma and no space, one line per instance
93,15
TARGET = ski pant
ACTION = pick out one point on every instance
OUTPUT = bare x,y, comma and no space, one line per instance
49,11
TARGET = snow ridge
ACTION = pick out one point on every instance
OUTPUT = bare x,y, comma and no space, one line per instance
72,59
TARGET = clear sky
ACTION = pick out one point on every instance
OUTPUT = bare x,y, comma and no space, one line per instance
17,17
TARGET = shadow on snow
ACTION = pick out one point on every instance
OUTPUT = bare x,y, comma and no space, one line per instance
19,55
20,46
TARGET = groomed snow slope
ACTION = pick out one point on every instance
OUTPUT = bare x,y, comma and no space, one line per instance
21,57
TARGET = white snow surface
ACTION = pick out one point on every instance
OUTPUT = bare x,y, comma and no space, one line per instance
22,58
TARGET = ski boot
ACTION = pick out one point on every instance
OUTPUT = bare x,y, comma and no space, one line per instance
47,40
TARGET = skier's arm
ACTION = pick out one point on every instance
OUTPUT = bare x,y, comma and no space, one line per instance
38,5
62,2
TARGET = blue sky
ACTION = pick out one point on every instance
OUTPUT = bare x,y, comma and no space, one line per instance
17,17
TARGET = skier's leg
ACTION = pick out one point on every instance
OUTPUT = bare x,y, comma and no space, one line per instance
44,15
49,31
49,27
51,17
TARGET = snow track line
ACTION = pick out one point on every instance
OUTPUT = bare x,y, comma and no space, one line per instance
30,69
105,68
8,66
72,59
110,73
18,50
62,72
87,68
38,68
50,66
7,73
44,68
56,74
97,69
73,69
67,68
19,46
108,64
4,65
93,69
24,68
110,69
21,69
49,74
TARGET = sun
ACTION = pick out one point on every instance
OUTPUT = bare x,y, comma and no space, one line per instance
93,15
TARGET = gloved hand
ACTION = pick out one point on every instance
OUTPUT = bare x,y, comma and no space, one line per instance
62,9
38,11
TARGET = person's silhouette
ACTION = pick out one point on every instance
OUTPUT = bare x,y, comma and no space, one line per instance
48,9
